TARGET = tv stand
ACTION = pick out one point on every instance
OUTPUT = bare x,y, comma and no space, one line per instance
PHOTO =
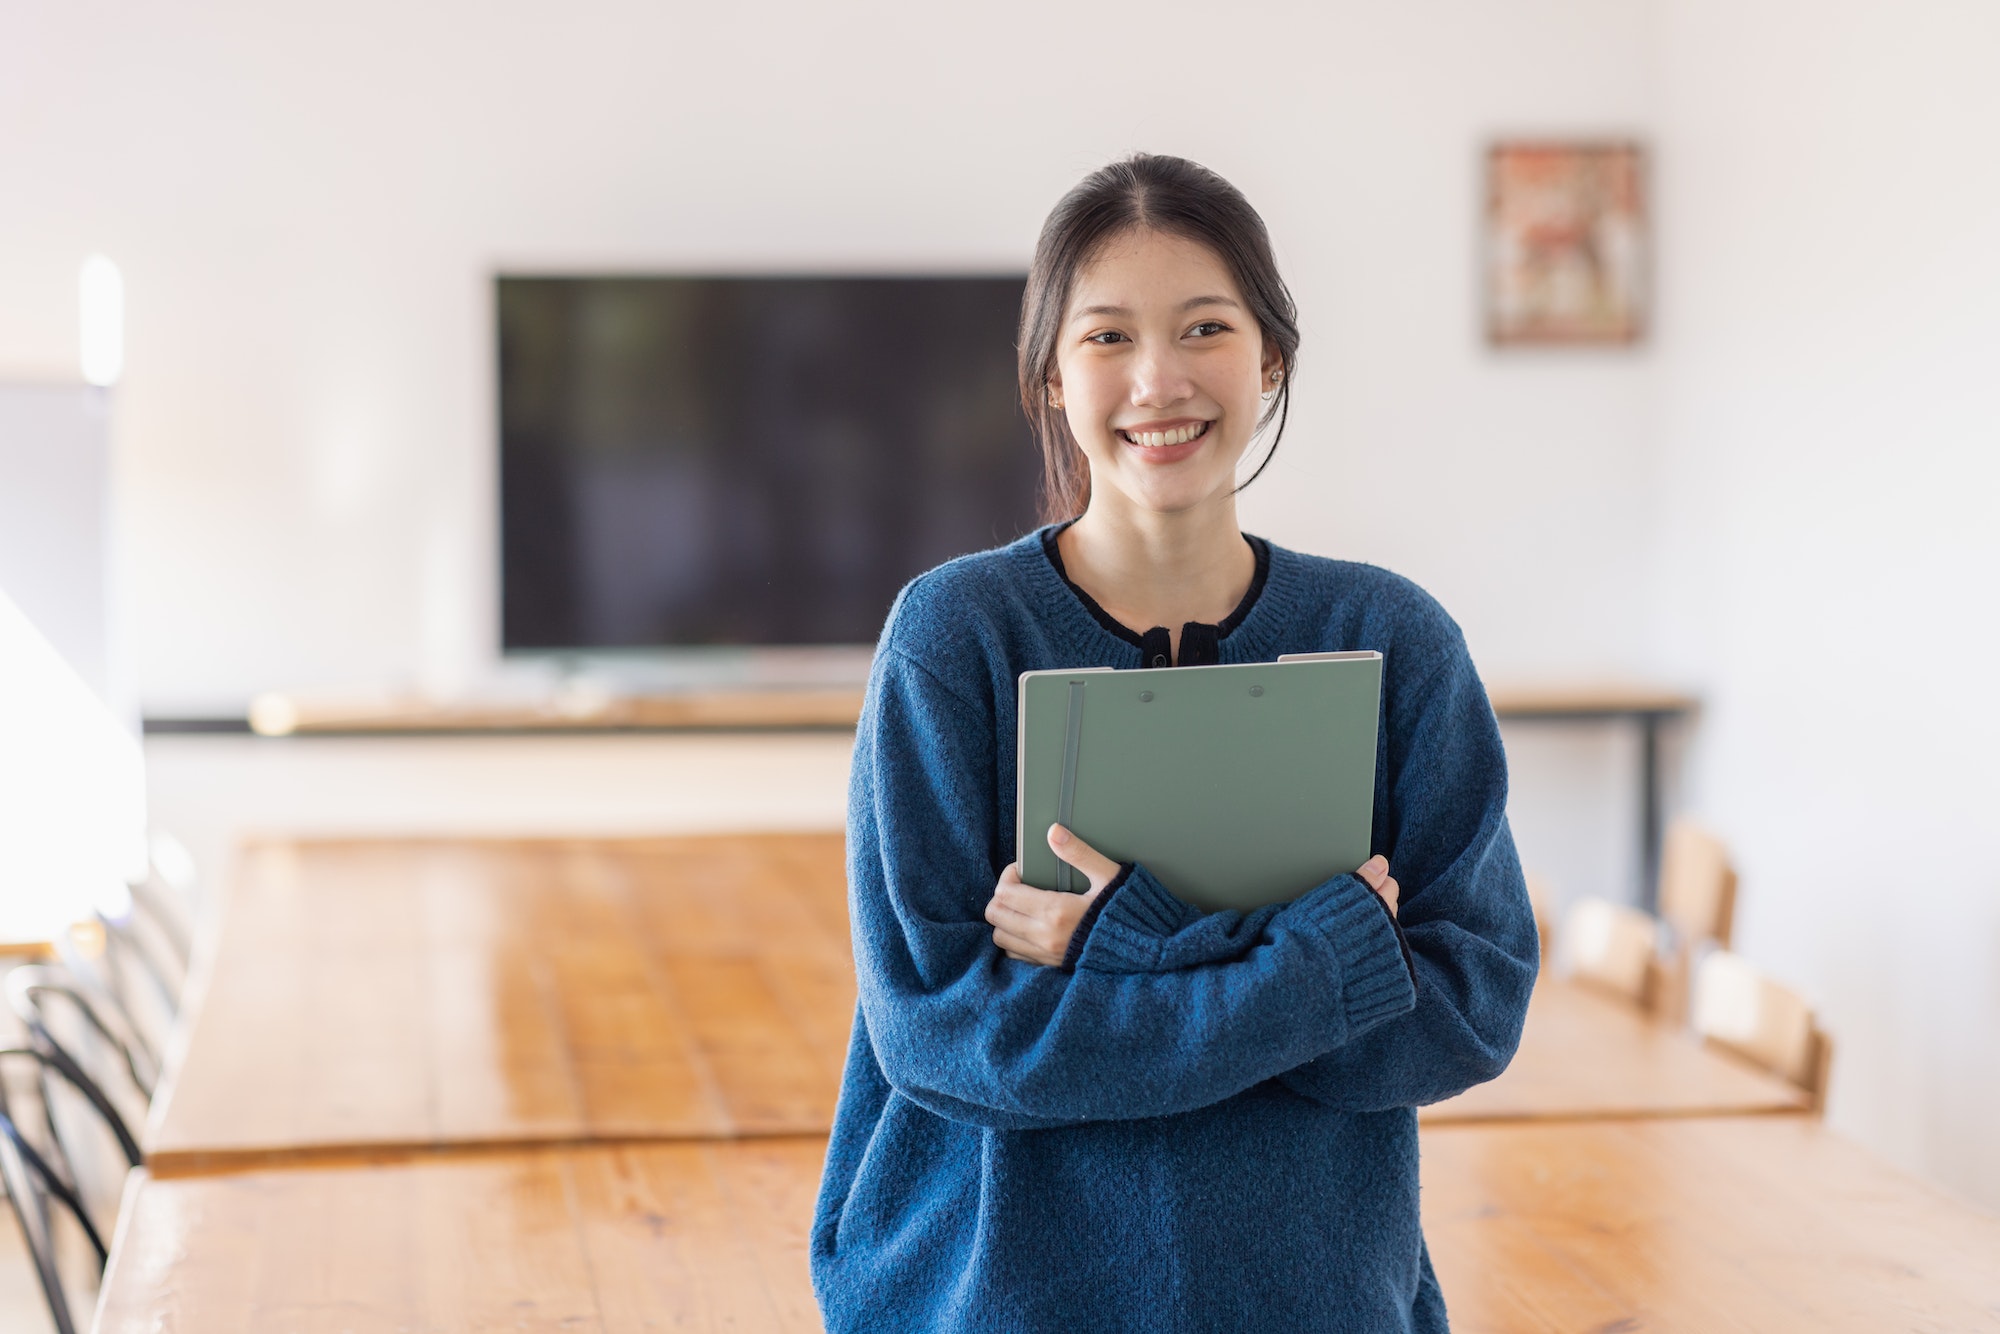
735,709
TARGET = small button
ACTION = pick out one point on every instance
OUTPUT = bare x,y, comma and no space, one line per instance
1145,697
1256,690
1159,659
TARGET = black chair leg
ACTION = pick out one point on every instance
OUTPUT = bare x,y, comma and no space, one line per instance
19,1181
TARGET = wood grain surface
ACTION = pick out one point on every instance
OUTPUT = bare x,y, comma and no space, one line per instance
1586,1054
1698,1225
402,994
1701,1225
687,1236
368,996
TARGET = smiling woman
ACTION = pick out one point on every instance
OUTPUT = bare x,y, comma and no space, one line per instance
1127,214
1110,1110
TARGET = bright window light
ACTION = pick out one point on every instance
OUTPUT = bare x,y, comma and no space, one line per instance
72,790
101,290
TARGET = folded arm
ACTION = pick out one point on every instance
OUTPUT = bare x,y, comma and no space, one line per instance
1465,923
962,1029
1441,802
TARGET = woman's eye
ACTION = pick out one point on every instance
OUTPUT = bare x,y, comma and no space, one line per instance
1207,327
1105,337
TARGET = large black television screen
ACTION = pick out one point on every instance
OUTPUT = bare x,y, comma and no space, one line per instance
710,461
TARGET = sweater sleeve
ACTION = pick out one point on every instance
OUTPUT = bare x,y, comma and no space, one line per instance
1464,905
970,1034
1150,929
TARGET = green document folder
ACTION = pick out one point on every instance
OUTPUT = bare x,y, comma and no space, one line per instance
1236,785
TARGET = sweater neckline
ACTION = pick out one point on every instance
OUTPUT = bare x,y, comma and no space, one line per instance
1248,634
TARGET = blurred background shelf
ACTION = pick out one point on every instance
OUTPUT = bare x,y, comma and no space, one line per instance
767,708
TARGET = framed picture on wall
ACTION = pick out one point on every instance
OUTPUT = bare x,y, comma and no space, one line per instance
1566,243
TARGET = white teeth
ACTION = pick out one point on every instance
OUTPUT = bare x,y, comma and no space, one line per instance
1159,439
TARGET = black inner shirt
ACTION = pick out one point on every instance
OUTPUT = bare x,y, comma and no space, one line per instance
1201,643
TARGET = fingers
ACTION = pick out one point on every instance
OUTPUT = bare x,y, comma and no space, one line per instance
1045,940
1100,869
1033,925
1024,949
1375,872
1001,913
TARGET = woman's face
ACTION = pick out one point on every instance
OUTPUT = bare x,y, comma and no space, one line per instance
1160,371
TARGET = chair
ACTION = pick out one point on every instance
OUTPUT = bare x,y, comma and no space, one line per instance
167,901
153,905
1613,948
141,967
73,1030
40,1181
28,987
31,1185
60,1065
1543,902
1697,885
1738,1008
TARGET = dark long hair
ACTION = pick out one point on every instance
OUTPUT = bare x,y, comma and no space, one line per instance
1165,194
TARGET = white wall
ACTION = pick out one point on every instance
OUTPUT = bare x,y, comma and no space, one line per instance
215,791
307,205
56,527
1829,481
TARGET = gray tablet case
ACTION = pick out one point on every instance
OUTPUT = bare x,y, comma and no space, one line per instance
1236,785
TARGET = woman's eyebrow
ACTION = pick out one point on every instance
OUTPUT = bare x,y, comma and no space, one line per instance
1187,305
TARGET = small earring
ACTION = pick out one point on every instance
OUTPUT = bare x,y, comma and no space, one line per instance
1277,376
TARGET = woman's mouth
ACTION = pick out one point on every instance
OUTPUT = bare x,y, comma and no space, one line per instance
1179,435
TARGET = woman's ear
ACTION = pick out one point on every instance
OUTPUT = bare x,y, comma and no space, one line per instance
1055,392
1273,369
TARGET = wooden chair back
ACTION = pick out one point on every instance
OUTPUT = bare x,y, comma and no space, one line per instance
1543,901
1738,1008
1697,885
1613,948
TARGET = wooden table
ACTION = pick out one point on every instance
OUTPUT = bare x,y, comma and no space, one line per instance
1720,1224
1739,1223
373,996
688,1236
1585,1054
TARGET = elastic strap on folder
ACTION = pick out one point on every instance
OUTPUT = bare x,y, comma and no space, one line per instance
1066,794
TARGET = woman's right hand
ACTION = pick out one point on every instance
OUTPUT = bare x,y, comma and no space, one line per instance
1035,925
1375,871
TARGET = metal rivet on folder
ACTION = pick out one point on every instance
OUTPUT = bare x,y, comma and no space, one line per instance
1145,697
1256,690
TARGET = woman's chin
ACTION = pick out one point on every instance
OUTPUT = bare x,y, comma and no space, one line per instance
1175,495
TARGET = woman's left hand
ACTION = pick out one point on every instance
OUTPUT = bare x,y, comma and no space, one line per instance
1035,925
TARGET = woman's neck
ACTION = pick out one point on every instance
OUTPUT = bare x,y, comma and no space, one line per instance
1147,569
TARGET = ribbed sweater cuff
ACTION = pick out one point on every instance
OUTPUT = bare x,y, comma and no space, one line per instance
1133,924
1081,936
1375,982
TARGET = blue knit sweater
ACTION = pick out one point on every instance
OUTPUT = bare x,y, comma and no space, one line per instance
1209,1123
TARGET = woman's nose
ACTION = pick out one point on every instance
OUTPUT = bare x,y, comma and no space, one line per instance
1159,378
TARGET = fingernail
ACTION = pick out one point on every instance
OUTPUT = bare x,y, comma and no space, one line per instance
1058,834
